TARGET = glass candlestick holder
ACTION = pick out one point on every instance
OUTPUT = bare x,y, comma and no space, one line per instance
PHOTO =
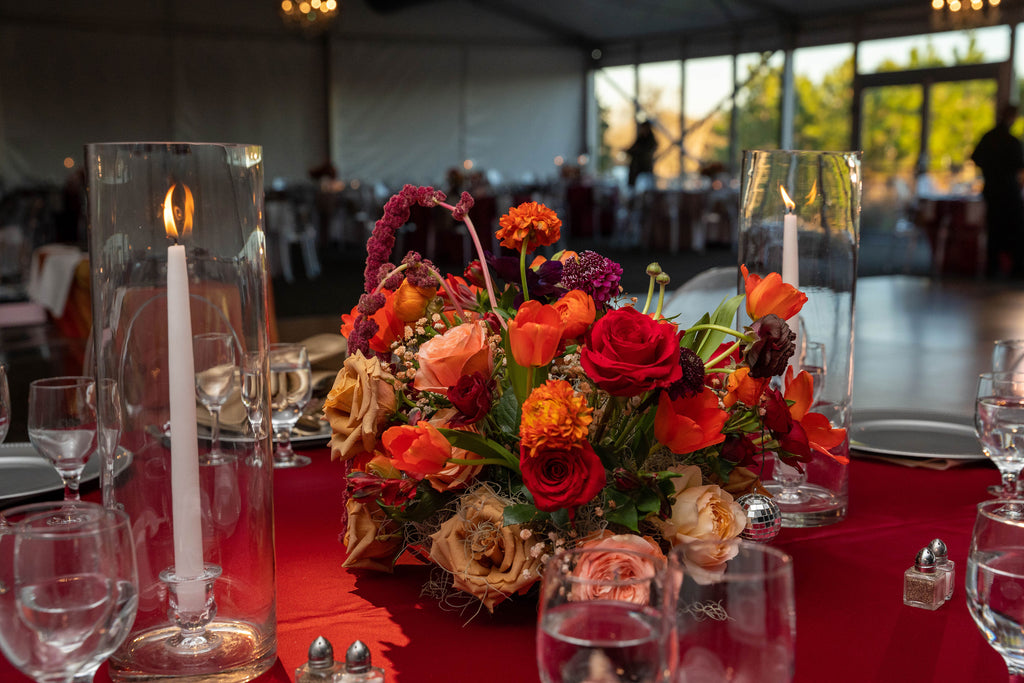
800,217
178,253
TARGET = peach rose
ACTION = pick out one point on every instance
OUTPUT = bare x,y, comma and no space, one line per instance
703,513
486,559
445,358
617,567
358,405
453,476
373,539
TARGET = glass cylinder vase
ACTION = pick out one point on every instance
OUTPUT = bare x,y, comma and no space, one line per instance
177,254
800,217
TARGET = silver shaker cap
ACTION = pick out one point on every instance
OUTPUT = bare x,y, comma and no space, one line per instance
321,654
357,658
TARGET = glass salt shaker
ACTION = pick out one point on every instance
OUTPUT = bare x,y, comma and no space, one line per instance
944,564
358,666
321,667
923,585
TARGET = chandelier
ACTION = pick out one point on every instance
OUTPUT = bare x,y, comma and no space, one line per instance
961,14
312,17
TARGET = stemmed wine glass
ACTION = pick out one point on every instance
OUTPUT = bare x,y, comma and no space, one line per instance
999,424
995,580
70,589
5,403
62,425
291,387
603,617
735,617
215,377
1008,355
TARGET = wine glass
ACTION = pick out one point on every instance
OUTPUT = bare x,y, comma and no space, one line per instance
1008,355
214,355
999,424
109,420
812,361
253,387
603,617
5,403
735,617
291,387
71,589
995,580
62,425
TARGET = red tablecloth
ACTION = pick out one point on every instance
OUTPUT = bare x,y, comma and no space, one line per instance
852,625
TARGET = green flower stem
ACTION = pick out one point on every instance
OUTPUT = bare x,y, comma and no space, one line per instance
661,301
723,328
725,354
452,297
631,422
650,296
522,270
481,461
483,261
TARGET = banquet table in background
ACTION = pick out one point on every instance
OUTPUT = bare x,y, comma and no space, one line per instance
851,621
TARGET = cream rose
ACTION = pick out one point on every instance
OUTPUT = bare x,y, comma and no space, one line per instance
486,559
358,406
373,539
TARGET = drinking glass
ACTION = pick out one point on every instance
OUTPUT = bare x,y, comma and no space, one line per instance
995,580
253,387
71,589
735,617
1008,355
215,378
603,617
999,424
62,425
813,362
291,387
5,403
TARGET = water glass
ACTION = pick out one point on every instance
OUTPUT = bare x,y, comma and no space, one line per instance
995,580
72,588
999,424
1008,355
735,617
215,378
291,387
603,617
62,425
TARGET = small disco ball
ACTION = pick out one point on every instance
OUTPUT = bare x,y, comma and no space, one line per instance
764,519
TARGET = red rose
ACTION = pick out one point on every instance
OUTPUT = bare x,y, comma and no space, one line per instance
628,353
560,479
471,396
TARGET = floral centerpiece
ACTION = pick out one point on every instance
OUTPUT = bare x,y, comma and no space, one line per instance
488,419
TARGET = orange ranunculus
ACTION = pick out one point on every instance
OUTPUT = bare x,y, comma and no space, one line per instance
577,311
554,418
417,450
528,226
821,435
534,334
562,257
462,350
771,295
686,425
390,327
741,387
411,301
453,476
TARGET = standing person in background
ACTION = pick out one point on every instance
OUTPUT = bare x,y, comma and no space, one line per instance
641,152
1001,159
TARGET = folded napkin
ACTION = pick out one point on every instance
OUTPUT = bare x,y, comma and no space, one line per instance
51,274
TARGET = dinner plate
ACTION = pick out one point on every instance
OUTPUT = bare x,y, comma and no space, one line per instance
25,473
298,438
915,434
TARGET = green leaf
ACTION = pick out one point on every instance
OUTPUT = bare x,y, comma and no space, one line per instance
427,502
523,514
704,342
507,413
560,518
623,511
648,502
481,445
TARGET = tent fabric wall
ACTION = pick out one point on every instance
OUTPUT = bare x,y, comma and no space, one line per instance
409,113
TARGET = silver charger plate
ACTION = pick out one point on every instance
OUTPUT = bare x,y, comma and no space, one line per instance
915,434
306,439
25,473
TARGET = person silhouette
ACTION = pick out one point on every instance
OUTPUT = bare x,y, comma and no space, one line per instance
1001,159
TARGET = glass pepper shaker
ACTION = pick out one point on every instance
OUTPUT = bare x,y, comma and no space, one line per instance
321,667
944,564
923,585
358,666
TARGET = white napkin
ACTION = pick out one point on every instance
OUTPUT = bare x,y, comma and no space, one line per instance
51,274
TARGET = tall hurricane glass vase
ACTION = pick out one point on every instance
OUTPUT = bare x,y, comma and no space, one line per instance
177,250
800,217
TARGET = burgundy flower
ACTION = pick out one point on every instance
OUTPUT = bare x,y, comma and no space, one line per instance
692,381
740,449
594,274
777,417
462,208
472,396
770,352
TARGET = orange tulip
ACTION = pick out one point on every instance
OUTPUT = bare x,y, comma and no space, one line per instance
686,425
821,435
577,312
771,295
741,387
534,334
411,301
417,450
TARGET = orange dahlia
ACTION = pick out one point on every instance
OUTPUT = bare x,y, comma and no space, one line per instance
554,417
528,226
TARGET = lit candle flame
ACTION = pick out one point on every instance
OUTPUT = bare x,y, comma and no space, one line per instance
172,213
790,205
